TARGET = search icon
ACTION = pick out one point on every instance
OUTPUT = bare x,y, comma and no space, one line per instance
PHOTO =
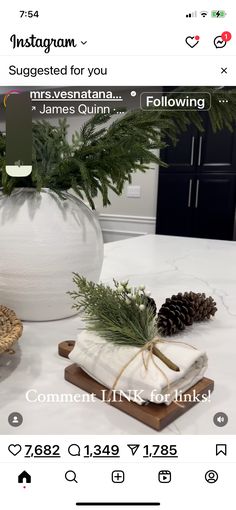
74,450
70,476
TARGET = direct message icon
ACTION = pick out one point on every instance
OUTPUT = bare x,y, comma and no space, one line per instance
218,42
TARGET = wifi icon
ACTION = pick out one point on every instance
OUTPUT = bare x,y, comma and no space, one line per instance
204,13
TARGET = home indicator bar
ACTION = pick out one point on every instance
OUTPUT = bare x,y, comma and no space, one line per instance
118,504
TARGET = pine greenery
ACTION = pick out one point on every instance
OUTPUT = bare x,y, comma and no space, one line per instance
107,313
115,317
105,153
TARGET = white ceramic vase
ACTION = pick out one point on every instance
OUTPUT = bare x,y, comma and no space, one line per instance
43,240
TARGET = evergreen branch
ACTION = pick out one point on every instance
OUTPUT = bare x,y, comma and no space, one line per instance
120,316
107,312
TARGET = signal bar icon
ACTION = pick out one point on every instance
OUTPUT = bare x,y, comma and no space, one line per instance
191,14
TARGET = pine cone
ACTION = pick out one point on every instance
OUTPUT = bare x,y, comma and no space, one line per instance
182,310
152,304
204,306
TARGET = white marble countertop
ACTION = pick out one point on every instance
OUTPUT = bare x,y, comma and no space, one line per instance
166,265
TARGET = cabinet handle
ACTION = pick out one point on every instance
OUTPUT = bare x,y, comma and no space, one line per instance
197,194
192,151
190,192
200,151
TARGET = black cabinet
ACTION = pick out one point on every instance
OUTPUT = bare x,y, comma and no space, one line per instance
175,214
196,205
202,152
197,191
183,156
214,206
216,151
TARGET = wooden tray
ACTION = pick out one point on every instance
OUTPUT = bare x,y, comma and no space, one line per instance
157,416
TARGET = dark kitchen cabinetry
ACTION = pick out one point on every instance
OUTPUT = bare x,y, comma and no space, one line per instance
197,191
214,206
202,152
174,214
196,205
216,151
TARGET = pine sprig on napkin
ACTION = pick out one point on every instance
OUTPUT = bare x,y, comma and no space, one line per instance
122,316
119,315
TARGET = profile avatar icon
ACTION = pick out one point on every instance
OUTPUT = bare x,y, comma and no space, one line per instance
15,419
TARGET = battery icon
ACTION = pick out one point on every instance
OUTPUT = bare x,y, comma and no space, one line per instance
218,14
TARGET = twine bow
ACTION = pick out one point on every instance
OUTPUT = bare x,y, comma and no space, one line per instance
154,352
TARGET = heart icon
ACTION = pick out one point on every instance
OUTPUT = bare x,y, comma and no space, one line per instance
192,40
14,449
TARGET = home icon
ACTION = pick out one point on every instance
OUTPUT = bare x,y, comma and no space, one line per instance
24,477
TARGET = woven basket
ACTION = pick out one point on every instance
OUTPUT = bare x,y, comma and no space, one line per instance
10,328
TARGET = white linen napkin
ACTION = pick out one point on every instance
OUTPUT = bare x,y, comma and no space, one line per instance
103,361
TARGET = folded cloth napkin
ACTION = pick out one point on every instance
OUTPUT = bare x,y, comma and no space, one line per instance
103,361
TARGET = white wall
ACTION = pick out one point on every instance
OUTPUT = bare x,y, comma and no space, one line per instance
126,216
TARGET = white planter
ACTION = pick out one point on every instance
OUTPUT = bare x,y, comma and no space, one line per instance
43,240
